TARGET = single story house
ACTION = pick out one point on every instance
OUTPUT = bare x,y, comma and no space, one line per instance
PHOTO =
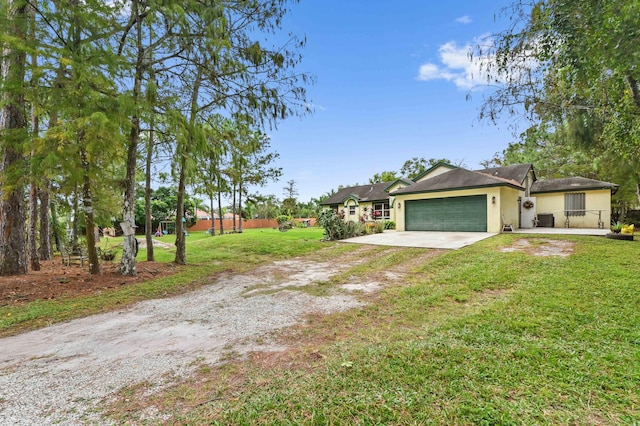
451,198
366,202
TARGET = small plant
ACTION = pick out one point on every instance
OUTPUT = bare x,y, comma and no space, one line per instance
389,224
617,227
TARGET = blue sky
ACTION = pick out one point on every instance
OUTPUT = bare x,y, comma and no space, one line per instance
392,80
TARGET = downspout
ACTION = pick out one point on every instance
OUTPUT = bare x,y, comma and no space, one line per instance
519,211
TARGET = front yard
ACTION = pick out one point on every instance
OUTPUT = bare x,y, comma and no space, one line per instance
512,330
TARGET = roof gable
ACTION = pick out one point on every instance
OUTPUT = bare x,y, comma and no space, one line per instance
457,178
435,170
398,183
361,193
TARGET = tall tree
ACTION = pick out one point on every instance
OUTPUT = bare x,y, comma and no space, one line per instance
386,176
87,131
210,162
417,165
249,163
233,72
13,135
259,169
128,225
290,202
572,67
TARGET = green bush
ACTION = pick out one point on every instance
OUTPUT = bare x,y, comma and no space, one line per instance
355,229
337,229
283,218
389,224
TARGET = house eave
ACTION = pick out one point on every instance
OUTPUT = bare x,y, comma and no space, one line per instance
613,189
462,188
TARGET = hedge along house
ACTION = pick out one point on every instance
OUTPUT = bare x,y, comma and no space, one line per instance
450,198
366,202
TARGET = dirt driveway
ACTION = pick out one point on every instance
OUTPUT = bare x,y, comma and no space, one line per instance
61,374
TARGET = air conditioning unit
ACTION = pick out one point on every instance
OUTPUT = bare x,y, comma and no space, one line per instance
546,220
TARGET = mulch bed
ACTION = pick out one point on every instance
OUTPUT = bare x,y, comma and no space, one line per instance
55,280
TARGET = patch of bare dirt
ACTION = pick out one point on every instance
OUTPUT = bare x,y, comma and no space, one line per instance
541,247
55,280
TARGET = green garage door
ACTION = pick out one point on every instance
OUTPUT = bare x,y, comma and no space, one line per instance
447,214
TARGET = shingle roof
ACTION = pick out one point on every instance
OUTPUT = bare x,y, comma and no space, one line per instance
569,184
457,179
515,172
371,192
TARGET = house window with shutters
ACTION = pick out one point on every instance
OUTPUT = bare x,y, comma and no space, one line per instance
574,204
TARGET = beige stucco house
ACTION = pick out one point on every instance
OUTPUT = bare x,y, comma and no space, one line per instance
366,202
450,198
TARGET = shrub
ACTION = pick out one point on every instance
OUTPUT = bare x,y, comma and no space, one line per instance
337,229
389,224
354,229
332,224
282,219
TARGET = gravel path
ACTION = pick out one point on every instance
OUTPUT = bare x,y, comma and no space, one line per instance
60,374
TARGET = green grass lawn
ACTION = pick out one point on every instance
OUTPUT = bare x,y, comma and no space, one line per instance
477,336
473,336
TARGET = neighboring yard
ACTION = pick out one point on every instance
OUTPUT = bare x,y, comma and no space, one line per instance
512,330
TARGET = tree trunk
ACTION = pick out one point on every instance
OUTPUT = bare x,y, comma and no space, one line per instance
182,150
56,227
240,207
148,223
181,251
220,215
75,246
87,202
34,258
45,224
234,207
13,128
128,224
213,224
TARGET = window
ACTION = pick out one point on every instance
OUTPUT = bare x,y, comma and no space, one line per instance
574,204
381,211
352,210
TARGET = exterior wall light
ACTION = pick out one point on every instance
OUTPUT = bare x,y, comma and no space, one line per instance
399,206
493,199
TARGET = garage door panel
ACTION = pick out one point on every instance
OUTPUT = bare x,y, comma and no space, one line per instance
447,214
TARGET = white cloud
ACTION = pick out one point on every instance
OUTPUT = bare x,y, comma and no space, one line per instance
464,19
458,65
312,107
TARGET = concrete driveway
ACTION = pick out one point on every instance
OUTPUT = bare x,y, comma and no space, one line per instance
424,239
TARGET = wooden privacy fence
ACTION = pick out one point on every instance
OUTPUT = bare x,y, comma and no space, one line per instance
203,225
